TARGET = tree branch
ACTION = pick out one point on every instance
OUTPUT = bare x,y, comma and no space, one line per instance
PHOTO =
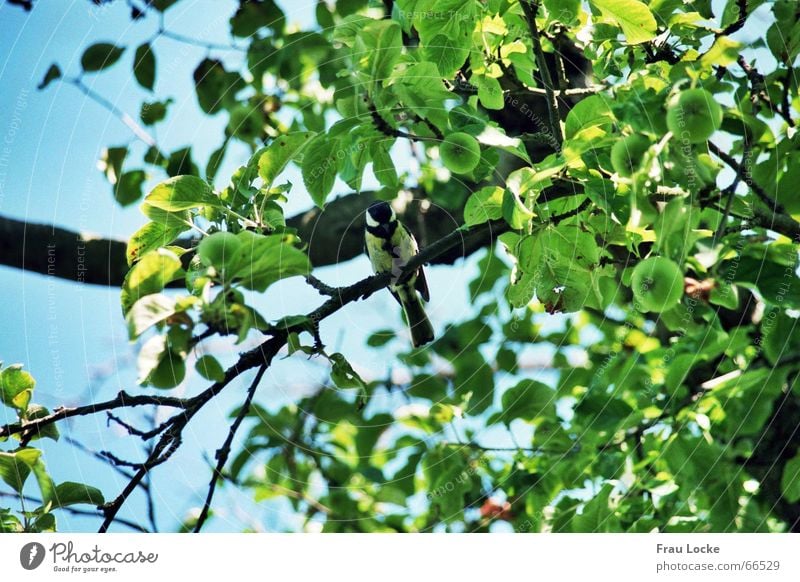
745,176
134,126
530,8
28,429
333,235
741,6
225,450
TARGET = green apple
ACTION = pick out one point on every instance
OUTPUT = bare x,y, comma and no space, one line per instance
693,115
218,250
627,153
460,152
657,284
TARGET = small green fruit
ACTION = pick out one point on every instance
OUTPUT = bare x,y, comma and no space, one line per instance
694,115
218,250
627,153
460,153
657,284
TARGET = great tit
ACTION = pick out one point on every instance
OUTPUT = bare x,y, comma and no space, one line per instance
390,246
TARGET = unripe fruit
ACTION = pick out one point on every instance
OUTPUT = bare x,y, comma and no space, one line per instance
627,153
460,152
694,115
657,284
218,250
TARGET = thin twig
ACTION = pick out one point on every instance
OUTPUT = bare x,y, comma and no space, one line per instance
383,126
745,176
28,429
530,9
566,93
200,43
99,455
225,450
134,126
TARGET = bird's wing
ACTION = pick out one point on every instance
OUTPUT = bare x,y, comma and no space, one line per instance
422,285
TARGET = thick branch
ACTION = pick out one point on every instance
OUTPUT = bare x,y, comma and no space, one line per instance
333,236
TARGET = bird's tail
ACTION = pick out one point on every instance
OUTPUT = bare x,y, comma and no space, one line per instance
418,322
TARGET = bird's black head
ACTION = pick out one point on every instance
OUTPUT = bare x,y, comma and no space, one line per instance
379,213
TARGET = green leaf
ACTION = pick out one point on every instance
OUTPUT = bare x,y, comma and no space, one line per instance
254,15
161,5
452,18
180,163
50,431
321,161
490,93
216,88
45,482
53,73
144,66
342,373
182,193
378,45
592,111
274,158
474,378
16,467
448,53
45,523
129,187
153,235
634,18
790,481
723,52
100,56
153,112
150,275
596,516
448,478
210,369
383,165
262,260
381,338
516,214
14,381
111,162
484,205
420,89
147,312
69,493
528,400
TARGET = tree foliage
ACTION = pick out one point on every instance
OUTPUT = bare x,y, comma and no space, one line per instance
676,415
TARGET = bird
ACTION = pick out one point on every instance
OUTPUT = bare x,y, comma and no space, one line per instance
390,245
